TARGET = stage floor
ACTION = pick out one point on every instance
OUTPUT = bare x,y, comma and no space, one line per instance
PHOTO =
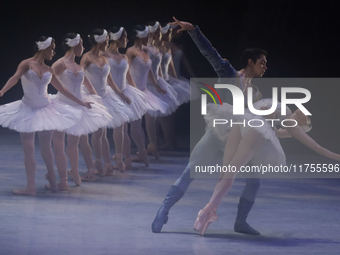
114,214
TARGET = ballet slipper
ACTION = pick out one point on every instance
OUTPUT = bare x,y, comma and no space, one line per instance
128,164
108,169
75,176
119,162
205,216
52,181
61,186
141,157
26,191
89,177
153,149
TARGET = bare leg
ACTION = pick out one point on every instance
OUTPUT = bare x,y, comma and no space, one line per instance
108,167
168,128
45,141
60,158
96,141
27,140
237,153
73,156
118,138
87,155
150,123
138,137
127,148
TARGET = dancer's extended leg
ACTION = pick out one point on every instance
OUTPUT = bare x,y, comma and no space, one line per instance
138,137
60,158
150,124
87,155
127,148
118,138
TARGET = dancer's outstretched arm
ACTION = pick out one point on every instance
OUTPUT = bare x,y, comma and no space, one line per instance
299,134
221,66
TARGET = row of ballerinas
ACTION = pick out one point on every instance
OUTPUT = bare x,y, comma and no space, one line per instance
107,90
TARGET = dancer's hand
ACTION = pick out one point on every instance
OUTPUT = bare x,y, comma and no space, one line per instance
160,90
86,104
124,98
184,25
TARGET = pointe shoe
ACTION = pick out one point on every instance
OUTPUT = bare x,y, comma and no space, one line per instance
153,150
141,157
89,177
100,170
26,192
128,164
61,186
52,182
119,162
108,169
75,177
205,216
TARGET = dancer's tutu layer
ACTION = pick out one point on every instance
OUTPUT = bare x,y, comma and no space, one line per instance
21,117
170,97
270,153
139,105
182,88
156,106
91,119
117,108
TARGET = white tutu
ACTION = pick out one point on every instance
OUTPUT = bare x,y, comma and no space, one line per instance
139,105
170,98
182,88
270,153
21,117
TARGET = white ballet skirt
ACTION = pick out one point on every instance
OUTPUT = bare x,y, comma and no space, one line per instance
171,96
117,108
271,152
181,87
138,99
92,119
139,70
36,111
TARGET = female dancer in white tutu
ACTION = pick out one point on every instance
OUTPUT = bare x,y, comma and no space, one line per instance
71,75
171,96
97,70
37,113
257,145
140,67
122,77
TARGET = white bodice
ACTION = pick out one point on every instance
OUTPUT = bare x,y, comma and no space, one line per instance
98,77
165,65
35,89
139,71
118,72
73,83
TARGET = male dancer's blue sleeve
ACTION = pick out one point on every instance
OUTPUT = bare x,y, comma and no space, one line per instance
221,66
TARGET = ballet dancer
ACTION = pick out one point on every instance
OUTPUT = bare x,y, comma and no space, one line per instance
257,145
36,112
121,75
97,70
140,67
253,65
71,75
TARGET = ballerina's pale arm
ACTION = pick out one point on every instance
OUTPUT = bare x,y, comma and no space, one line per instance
89,86
299,134
22,68
172,70
130,80
154,82
56,83
115,88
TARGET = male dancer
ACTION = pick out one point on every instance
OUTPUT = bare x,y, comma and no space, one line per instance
254,65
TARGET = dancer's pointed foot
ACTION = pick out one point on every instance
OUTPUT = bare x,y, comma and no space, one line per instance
119,161
89,177
244,228
152,148
128,164
61,186
26,191
52,181
142,156
108,169
100,170
205,216
75,176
